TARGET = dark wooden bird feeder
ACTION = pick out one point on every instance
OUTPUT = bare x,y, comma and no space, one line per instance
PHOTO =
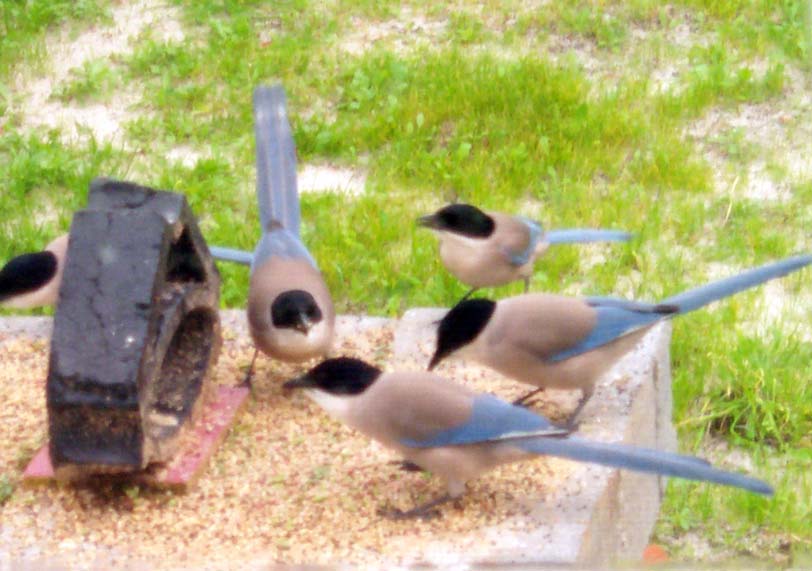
136,332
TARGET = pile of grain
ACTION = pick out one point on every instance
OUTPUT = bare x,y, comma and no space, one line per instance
288,485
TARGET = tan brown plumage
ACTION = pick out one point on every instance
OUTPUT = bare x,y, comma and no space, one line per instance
274,277
527,331
486,262
458,435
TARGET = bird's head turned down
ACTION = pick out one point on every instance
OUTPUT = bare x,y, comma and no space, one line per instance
460,218
295,309
27,273
341,376
460,326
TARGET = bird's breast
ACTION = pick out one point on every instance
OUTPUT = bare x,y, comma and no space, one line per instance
475,261
291,345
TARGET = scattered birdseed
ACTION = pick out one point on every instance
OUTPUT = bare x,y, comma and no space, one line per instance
289,485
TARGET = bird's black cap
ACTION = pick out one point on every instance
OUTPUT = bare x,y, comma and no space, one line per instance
461,325
461,219
27,273
339,376
295,309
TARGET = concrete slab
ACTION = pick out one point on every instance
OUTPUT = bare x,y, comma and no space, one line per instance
206,434
33,327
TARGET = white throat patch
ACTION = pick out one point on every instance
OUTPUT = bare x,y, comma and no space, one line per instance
335,405
294,343
459,239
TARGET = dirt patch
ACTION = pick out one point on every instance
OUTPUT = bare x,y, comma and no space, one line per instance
407,32
185,155
655,52
65,53
327,178
783,309
778,134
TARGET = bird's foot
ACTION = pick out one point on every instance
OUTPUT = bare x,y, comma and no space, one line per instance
571,425
425,511
574,420
249,375
407,466
467,295
524,400
397,514
246,382
527,403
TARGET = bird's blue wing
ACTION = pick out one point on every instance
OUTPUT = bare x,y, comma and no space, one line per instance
491,420
231,255
535,233
612,321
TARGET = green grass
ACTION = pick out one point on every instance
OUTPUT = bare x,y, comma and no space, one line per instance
23,23
6,489
44,181
93,82
483,112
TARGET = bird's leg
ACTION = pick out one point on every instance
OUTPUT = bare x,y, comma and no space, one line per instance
467,295
423,511
246,382
526,285
572,422
407,466
522,399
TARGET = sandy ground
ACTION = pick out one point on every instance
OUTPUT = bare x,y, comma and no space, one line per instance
66,53
104,121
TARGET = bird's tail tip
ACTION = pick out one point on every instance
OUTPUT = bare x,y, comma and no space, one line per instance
586,235
703,295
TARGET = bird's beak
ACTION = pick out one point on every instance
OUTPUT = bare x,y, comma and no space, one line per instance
428,221
435,360
303,326
302,382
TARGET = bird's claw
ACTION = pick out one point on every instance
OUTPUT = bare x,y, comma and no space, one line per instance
407,466
525,403
572,425
398,514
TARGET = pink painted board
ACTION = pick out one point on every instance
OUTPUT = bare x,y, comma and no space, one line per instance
200,443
